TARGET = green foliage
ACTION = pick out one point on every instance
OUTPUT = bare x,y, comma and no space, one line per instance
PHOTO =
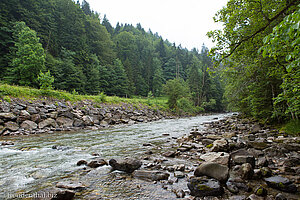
29,58
175,89
292,127
45,80
255,82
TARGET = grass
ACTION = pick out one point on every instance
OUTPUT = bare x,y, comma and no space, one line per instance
291,128
7,91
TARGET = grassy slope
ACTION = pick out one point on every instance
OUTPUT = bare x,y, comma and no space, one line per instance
7,91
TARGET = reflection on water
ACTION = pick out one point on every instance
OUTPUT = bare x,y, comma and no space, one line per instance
32,164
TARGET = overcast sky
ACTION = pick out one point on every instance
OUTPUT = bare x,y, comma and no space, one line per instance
184,22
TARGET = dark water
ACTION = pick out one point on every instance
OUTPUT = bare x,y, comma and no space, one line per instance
32,164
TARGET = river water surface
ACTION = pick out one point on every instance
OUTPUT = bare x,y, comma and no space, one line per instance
31,164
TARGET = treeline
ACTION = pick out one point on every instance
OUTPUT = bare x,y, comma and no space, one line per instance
89,55
260,49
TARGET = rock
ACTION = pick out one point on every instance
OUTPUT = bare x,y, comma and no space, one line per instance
53,115
246,171
54,193
262,162
239,197
180,167
7,116
82,162
179,174
255,197
265,172
24,115
170,154
103,123
49,122
29,125
281,183
216,157
242,156
201,187
280,196
32,110
151,175
64,122
220,146
4,143
78,123
70,185
88,120
179,193
234,185
206,141
258,145
214,170
97,163
255,129
61,148
127,165
36,118
12,126
261,191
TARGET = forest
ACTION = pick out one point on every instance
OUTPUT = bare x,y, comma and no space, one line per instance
253,69
85,54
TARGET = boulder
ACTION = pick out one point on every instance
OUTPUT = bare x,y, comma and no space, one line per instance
214,170
201,187
242,156
64,122
220,146
78,123
29,125
97,163
32,110
70,185
216,157
24,115
127,165
36,118
12,126
170,154
49,122
82,162
7,116
281,183
88,120
246,171
151,175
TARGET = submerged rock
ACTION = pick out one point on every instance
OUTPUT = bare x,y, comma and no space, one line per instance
70,185
201,187
127,165
151,175
97,163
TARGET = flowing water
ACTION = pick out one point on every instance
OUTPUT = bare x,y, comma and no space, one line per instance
32,164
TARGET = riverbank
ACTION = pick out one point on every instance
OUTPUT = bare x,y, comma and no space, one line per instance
45,115
229,158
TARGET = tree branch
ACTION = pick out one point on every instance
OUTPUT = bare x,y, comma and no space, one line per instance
259,30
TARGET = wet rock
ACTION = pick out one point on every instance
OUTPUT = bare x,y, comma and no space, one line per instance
64,122
12,126
242,156
280,196
4,143
214,170
234,185
216,157
281,183
97,163
179,174
55,193
201,187
71,185
179,193
61,148
151,175
265,172
180,167
261,191
29,125
127,165
220,146
170,154
82,162
49,122
147,144
255,197
238,197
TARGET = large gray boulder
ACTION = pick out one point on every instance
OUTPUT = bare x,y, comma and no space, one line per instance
29,125
214,170
126,165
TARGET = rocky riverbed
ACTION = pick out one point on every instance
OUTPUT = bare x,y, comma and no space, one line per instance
24,117
231,158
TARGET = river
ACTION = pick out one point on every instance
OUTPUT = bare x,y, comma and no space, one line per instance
32,164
